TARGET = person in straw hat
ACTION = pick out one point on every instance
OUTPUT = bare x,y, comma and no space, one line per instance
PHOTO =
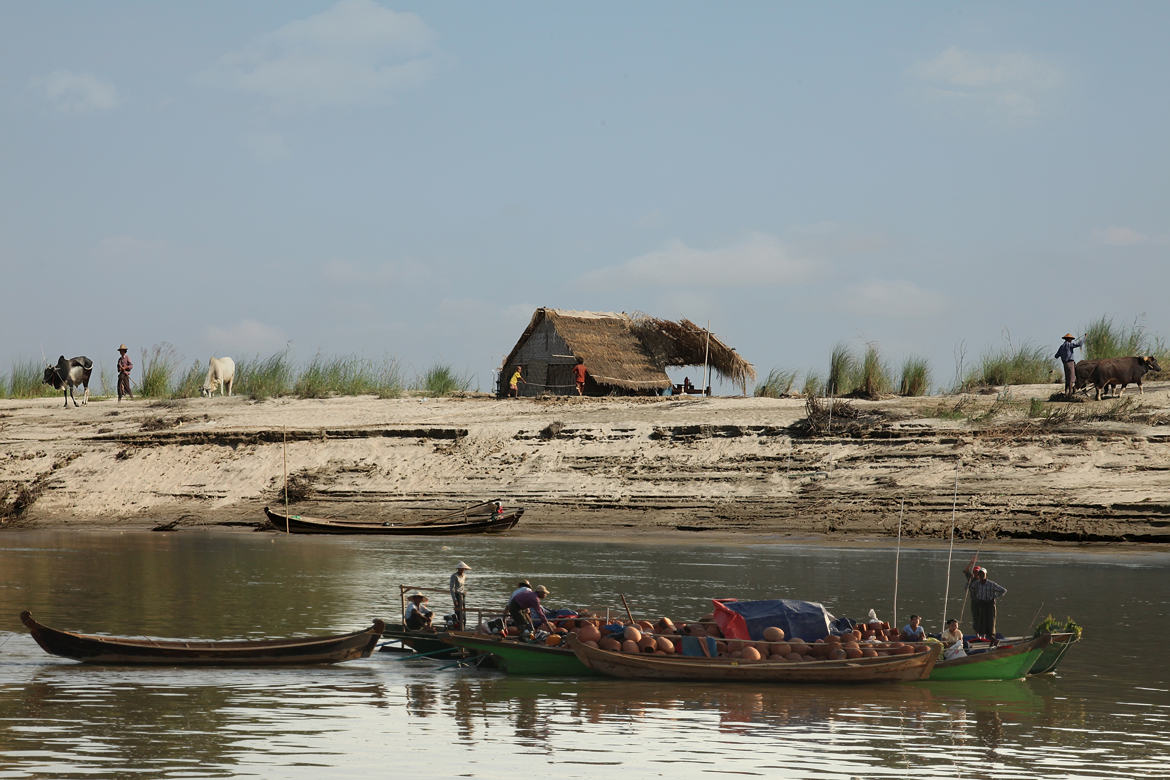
1064,353
459,593
418,615
124,367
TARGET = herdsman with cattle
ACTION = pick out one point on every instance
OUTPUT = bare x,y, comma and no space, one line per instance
1103,373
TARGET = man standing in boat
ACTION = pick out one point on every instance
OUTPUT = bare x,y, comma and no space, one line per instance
983,592
459,594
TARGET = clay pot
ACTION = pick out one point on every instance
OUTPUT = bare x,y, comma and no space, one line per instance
588,633
751,654
773,634
553,640
852,652
632,633
781,648
630,646
590,643
837,654
795,657
609,643
665,645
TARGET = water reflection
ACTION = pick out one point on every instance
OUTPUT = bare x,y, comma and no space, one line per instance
1105,715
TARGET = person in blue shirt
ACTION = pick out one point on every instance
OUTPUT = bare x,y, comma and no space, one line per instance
1064,353
913,631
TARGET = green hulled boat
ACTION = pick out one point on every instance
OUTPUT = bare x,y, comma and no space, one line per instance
1006,662
516,657
1052,655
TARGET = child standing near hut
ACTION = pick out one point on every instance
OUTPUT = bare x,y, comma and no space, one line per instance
579,376
514,383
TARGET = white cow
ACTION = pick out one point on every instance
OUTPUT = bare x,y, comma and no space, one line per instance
221,372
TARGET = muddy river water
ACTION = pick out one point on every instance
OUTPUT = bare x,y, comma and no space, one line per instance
1106,713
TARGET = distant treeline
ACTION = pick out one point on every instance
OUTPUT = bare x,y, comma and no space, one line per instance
869,376
158,375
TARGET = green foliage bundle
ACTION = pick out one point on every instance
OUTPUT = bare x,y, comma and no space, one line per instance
915,377
441,380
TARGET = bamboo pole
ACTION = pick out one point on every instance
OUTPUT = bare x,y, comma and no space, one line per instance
706,353
897,560
951,551
284,449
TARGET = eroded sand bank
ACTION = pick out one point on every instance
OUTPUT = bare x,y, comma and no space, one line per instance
719,467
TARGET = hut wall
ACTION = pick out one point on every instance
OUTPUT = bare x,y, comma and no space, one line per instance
547,364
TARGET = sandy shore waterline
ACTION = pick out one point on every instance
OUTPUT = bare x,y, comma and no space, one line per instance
698,469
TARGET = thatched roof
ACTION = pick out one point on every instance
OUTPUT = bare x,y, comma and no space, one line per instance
633,353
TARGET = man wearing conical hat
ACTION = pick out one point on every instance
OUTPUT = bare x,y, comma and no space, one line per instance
1064,353
124,368
459,593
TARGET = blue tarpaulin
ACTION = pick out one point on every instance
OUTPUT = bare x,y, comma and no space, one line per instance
747,619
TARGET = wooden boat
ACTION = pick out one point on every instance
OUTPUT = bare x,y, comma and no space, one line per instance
516,657
166,652
421,641
466,521
1006,662
645,666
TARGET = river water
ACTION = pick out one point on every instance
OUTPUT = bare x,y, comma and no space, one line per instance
1105,714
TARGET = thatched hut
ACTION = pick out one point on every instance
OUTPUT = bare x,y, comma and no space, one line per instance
623,355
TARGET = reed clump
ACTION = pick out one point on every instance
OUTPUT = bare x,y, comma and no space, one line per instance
267,377
873,378
441,380
1022,365
349,375
777,384
191,383
842,372
915,377
156,371
27,380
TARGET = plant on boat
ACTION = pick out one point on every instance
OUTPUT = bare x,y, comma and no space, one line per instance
1050,625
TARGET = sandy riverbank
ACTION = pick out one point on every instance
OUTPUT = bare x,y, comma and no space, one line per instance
721,468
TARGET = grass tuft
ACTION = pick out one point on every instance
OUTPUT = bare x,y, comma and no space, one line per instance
813,384
441,380
873,379
915,377
260,379
158,367
842,372
191,382
348,376
1023,365
777,385
28,381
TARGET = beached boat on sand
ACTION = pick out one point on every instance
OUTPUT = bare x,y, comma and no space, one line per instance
171,652
646,666
486,517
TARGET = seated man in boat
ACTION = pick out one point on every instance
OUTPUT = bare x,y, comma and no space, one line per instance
418,615
952,638
913,631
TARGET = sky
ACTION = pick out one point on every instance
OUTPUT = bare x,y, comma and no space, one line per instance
410,181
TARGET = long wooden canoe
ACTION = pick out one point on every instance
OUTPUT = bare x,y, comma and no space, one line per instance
516,657
644,666
1005,662
167,652
1052,655
471,524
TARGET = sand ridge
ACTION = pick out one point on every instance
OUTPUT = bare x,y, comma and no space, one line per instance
702,467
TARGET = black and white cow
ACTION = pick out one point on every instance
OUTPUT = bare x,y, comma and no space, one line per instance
68,374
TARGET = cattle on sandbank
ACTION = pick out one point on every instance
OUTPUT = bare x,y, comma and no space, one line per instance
68,374
1110,372
221,373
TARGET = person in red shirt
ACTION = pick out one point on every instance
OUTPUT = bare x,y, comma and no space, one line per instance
579,376
124,367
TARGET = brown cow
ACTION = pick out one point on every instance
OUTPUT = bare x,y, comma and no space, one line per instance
1123,371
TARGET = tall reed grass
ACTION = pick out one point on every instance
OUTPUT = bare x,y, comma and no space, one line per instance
262,378
777,384
873,379
27,380
813,385
1103,339
191,382
157,371
915,377
440,380
1022,365
842,372
351,375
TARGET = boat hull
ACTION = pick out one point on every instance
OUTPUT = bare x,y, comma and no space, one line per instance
520,658
298,524
1002,663
95,649
916,666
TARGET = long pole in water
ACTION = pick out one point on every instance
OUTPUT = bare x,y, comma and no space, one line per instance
951,551
897,560
284,449
706,352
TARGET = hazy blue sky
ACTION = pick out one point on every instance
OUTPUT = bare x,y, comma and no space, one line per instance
413,180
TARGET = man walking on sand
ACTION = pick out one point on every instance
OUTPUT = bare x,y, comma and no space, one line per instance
1064,353
124,368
